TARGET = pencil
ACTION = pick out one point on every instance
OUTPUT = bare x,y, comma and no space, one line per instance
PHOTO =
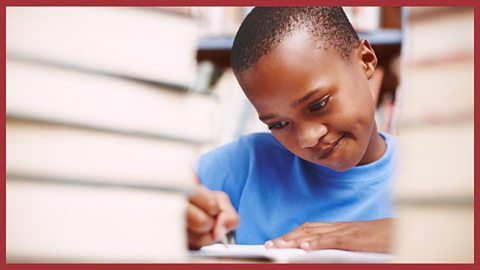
225,241
229,239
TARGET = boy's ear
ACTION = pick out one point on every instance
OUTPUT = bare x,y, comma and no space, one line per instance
368,58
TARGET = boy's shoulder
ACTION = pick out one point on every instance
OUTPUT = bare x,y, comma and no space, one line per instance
260,140
250,144
258,136
237,155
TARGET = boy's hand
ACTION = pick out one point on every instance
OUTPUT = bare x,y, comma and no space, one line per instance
372,236
210,215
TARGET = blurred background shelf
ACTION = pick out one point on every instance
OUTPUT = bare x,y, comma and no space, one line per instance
217,49
380,37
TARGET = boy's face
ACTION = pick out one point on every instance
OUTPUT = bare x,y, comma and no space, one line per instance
318,105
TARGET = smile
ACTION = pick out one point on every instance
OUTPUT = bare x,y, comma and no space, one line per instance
330,149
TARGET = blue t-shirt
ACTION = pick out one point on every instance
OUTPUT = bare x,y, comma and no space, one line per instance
275,191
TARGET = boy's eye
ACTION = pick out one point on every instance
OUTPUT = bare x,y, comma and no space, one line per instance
319,105
278,125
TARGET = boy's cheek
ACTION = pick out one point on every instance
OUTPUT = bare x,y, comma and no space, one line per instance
289,143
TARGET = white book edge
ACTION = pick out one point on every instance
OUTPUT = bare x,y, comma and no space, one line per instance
290,255
121,40
68,96
52,223
56,152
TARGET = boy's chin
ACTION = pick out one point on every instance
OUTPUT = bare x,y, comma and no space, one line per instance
336,166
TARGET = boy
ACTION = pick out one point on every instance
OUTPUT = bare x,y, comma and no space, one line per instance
321,178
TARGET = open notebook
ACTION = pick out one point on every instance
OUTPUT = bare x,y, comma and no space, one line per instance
290,255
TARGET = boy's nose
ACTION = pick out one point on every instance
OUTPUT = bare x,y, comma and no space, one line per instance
310,135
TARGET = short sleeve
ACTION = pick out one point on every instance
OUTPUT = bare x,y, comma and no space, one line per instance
226,169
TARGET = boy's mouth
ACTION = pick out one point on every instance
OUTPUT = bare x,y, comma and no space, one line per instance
330,148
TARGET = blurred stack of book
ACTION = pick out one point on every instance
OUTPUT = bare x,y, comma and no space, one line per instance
436,117
436,134
101,133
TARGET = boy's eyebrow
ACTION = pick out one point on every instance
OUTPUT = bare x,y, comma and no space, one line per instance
304,98
293,104
267,117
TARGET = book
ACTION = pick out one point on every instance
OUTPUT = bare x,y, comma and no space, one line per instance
139,43
431,98
78,195
54,152
451,27
289,255
62,222
63,95
440,79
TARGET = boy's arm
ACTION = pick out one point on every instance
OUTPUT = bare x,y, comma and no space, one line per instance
210,216
370,236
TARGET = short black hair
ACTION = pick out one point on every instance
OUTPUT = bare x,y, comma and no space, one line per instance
265,27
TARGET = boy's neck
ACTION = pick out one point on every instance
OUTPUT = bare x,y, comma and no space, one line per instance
375,149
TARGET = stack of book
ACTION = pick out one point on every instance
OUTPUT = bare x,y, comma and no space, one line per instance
436,134
102,133
435,123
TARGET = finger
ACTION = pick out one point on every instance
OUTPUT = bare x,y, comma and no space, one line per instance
226,222
285,241
306,242
205,200
321,241
196,241
281,242
304,233
315,228
373,236
228,218
199,221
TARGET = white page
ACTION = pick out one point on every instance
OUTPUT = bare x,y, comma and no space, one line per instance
259,252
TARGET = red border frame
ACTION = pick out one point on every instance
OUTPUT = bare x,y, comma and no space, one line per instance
473,3
240,3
